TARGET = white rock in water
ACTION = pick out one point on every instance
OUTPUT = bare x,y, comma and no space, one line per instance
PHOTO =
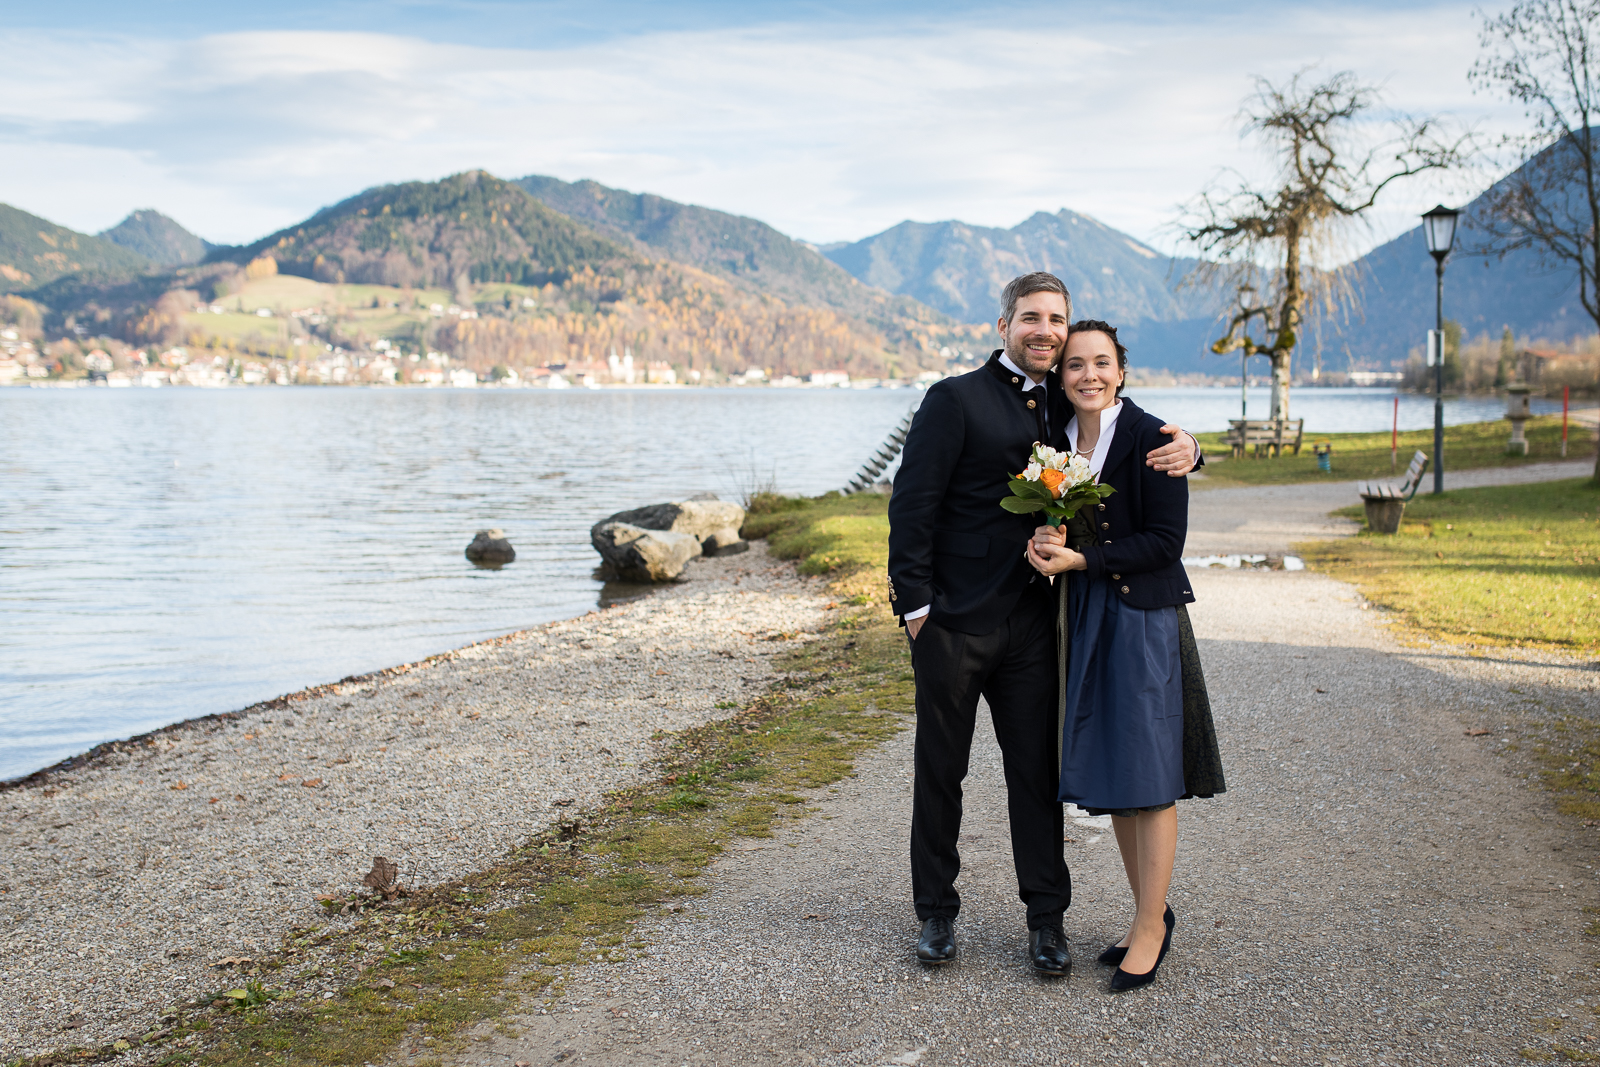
636,554
714,523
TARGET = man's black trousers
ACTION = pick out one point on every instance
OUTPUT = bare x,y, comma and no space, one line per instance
1014,668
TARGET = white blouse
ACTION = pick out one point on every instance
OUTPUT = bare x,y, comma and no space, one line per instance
1102,448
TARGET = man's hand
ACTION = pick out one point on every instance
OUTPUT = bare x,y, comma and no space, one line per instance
914,626
1178,458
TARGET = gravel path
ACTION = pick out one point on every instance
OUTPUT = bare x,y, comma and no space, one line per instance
1376,888
1269,518
125,880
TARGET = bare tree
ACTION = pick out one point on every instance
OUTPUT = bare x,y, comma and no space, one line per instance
1541,54
1330,173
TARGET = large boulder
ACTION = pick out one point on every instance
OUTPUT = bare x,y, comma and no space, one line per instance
491,547
713,523
635,554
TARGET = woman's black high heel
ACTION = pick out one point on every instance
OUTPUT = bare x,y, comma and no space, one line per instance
1122,981
1113,955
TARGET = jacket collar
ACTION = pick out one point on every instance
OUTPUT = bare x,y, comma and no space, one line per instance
1012,380
1055,396
1122,440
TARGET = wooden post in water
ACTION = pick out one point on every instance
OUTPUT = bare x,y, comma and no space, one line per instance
1394,440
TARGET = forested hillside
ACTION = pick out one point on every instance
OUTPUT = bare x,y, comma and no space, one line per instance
468,228
161,240
35,251
742,250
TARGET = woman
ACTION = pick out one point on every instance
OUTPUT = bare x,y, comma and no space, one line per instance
1136,727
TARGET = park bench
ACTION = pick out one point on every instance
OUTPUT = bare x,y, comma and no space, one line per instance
1386,503
1264,435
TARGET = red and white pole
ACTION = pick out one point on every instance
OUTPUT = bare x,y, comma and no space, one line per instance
1566,398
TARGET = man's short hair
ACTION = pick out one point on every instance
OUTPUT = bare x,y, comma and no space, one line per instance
1024,284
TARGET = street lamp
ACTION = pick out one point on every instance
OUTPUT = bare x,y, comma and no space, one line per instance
1439,227
1247,299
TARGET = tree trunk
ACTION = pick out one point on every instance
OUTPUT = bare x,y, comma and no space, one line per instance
1280,384
1597,456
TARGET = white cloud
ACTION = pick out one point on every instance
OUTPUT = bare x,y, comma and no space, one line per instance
823,132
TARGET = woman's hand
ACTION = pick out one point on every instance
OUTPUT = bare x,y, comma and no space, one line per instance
1051,558
1050,535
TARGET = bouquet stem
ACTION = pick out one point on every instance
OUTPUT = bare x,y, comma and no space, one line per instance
1055,520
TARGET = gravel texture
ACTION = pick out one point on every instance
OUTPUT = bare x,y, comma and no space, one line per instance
129,876
1377,887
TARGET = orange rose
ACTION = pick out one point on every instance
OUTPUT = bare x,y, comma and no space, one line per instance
1052,479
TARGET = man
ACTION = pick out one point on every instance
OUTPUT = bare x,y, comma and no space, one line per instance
980,620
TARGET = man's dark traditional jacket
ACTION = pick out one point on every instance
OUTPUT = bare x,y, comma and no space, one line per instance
951,544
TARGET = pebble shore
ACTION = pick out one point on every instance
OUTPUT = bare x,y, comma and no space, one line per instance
132,873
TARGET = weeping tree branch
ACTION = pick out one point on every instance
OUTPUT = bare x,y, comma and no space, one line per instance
1328,178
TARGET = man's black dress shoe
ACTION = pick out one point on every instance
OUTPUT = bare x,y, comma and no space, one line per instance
1122,981
1113,955
1048,948
938,941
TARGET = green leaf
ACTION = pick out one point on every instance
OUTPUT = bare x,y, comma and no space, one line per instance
1020,506
237,994
1033,490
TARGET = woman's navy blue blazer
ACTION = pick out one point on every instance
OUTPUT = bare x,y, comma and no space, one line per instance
1142,526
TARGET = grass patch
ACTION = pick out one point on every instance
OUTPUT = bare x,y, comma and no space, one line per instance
1566,751
1366,455
1506,565
403,977
844,537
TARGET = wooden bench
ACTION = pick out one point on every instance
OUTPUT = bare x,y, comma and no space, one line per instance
1270,436
1386,503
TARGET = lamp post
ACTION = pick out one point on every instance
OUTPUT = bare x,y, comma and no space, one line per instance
1247,299
1439,227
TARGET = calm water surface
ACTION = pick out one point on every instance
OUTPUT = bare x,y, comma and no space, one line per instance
171,553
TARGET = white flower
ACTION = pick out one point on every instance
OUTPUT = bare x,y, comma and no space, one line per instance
1033,471
1046,456
1078,472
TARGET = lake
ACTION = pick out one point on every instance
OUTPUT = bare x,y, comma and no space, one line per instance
171,553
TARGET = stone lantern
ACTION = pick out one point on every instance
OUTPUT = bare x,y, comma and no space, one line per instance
1518,410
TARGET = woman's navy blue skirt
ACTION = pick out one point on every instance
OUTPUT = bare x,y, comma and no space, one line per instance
1122,727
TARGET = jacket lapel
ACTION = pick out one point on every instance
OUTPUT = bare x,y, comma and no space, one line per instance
1122,439
1060,411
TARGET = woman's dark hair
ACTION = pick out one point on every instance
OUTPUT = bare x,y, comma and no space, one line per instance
1096,326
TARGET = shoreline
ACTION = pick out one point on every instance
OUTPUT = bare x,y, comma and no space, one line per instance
105,750
143,863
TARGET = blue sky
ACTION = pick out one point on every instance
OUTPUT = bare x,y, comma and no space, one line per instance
831,121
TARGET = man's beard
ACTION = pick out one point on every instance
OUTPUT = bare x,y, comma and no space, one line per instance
1019,354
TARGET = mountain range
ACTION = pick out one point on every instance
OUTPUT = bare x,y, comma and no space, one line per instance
912,290
1168,321
744,251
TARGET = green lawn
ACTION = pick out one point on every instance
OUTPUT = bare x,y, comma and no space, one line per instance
1517,565
1366,455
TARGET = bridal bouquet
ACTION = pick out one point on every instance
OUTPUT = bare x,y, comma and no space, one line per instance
1056,483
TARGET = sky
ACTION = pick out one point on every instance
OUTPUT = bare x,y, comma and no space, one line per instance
829,121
